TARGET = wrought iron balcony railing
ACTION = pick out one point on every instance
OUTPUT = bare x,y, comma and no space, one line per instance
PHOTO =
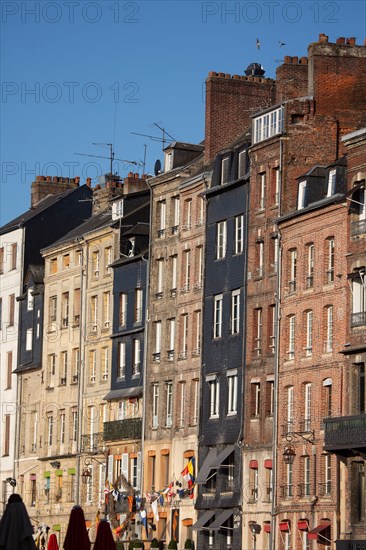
345,433
92,443
130,428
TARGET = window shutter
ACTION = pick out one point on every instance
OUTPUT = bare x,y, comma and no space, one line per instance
124,467
138,470
110,468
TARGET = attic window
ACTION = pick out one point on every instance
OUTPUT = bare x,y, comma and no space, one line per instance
301,195
241,170
331,182
268,125
168,161
117,210
225,170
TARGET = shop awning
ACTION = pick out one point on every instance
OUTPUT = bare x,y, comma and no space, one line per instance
267,527
268,463
222,456
220,520
316,532
205,469
202,520
303,524
284,525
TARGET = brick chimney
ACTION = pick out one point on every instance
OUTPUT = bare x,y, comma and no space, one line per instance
231,100
51,185
134,183
292,78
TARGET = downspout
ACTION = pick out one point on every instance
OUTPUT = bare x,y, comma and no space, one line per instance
83,310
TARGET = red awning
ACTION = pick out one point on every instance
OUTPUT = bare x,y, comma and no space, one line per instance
268,463
303,524
315,533
267,527
285,525
253,464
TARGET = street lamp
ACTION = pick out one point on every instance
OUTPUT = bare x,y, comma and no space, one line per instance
289,454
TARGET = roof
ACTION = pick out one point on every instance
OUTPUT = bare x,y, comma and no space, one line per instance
22,219
37,273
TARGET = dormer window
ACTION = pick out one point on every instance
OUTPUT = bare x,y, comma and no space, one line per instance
117,210
331,182
301,195
268,125
168,161
241,169
225,170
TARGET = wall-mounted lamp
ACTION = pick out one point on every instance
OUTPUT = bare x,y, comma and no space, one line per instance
86,474
55,464
289,454
11,481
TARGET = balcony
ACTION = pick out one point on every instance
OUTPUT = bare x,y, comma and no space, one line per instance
325,489
345,435
130,428
358,228
358,319
303,490
287,491
92,443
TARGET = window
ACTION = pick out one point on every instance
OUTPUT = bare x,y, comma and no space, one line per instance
196,333
309,333
74,425
291,337
138,305
292,269
174,265
121,359
253,483
30,299
169,404
328,343
262,191
108,259
307,412
52,308
94,312
327,397
135,468
186,271
310,265
358,317
187,214
6,441
53,266
75,364
271,328
1,313
328,474
225,167
92,366
290,410
330,260
1,260
214,388
221,240
306,476
62,427
268,125
182,404
255,398
218,303
122,409
331,182
66,261
171,331
65,309
289,476
161,219
89,486
122,309
95,263
160,277
9,369
301,195
29,339
50,431
183,336
155,405
33,482
77,303
260,257
195,401
242,164
232,389
198,267
258,331
106,309
11,309
105,363
276,186
63,371
270,395
51,369
175,225
13,256
136,358
156,354
239,234
235,311
274,249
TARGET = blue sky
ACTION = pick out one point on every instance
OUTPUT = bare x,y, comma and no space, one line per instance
78,72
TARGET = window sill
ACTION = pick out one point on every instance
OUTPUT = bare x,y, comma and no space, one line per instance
214,417
234,413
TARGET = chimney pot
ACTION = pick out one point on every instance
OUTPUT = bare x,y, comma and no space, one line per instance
136,175
48,178
295,60
340,40
351,41
304,60
130,175
221,75
38,178
212,73
77,179
323,37
287,59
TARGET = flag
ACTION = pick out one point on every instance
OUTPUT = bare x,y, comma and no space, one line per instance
188,473
106,491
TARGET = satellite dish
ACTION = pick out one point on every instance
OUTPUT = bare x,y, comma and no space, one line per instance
157,167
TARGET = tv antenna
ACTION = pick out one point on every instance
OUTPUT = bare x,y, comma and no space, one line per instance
162,139
111,156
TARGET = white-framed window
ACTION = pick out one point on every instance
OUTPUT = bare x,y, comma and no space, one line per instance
235,311
309,333
242,163
171,331
301,195
155,405
310,265
331,182
291,336
74,425
174,267
121,359
262,191
276,246
122,309
105,363
62,428
162,218
136,362
122,409
176,214
184,336
52,308
197,332
268,125
260,252
186,270
258,317
117,210
214,386
195,391
290,409
96,263
290,487
358,317
218,305
276,186
225,165
256,398
108,259
292,269
65,309
182,391
30,299
187,214
221,240
169,404
138,305
89,486
156,354
328,474
201,211
272,327
94,311
307,476
239,234
106,308
307,411
199,267
50,431
328,344
330,260
29,339
63,371
232,389
92,366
